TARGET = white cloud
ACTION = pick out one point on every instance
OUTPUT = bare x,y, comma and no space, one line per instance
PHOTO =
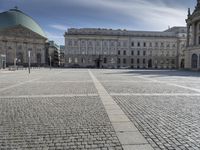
59,39
153,14
59,27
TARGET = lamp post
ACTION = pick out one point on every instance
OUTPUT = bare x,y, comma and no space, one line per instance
15,63
29,61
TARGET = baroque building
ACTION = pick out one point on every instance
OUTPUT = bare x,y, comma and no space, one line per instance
193,39
107,48
19,34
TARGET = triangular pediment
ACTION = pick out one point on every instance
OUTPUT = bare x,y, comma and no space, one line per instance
20,32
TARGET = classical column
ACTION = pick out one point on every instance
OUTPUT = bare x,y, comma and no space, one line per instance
195,33
101,53
188,35
86,51
79,45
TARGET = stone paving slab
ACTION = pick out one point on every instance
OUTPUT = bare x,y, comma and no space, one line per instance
131,138
138,147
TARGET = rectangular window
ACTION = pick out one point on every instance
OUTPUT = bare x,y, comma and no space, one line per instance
70,60
144,53
124,52
199,39
132,61
138,53
118,52
173,62
124,61
118,60
76,60
144,61
105,60
144,44
132,44
138,44
132,53
83,60
138,61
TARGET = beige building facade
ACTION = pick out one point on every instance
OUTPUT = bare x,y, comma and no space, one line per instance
192,53
107,48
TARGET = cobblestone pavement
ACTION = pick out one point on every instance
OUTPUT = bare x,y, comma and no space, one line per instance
51,120
165,106
61,109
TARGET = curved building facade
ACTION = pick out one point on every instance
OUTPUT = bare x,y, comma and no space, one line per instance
19,34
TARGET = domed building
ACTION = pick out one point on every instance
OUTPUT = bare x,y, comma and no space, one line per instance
19,34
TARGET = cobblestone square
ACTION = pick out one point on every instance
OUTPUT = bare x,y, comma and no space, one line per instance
99,109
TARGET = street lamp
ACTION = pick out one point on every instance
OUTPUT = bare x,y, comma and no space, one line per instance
29,61
15,63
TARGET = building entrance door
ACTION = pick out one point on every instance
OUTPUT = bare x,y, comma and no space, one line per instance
182,63
4,64
98,63
150,63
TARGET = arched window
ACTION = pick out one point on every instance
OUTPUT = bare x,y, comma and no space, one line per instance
194,61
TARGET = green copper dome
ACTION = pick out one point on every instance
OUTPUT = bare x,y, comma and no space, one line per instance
15,17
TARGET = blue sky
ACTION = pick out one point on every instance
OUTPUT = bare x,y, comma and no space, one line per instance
55,16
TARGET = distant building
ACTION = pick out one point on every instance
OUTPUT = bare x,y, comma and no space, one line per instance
62,56
53,54
107,48
193,39
19,34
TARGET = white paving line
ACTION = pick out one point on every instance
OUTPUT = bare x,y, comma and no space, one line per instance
127,133
154,94
18,84
64,81
22,83
44,96
173,84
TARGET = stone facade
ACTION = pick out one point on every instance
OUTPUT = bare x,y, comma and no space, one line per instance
104,48
193,39
15,43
